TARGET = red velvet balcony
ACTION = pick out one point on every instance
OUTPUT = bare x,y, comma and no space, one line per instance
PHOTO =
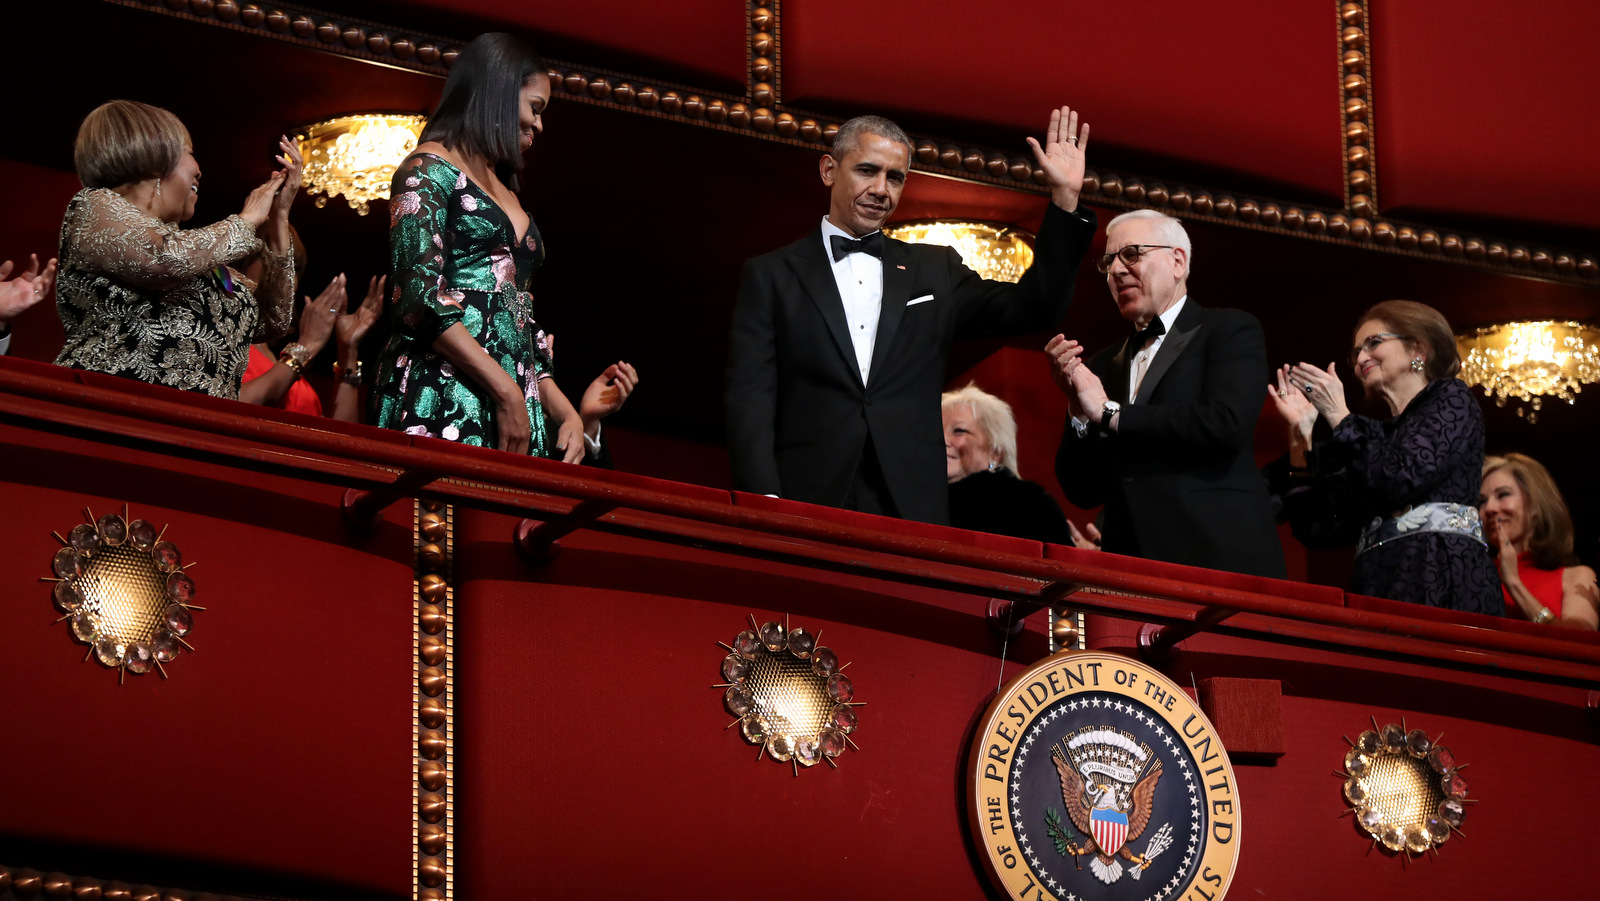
290,753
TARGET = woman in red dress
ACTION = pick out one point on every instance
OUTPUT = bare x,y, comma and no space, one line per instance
1530,531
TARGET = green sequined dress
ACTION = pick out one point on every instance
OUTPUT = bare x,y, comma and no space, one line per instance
456,258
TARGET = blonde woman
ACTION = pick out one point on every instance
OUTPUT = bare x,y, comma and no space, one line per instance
986,494
1530,532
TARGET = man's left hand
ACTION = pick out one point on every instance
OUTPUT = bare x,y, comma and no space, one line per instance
1062,157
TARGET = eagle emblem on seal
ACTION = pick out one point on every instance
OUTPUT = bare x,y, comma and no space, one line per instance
1108,781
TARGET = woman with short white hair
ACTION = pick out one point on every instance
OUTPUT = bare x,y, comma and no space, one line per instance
986,494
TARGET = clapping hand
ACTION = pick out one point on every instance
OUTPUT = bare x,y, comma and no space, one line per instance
260,203
1086,396
350,328
1065,358
27,289
1062,156
293,165
1291,403
1322,388
608,392
317,318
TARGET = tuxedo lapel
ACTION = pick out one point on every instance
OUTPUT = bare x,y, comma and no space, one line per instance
896,291
815,275
1183,331
1115,381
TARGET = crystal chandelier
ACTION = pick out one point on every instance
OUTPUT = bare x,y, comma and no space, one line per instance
356,155
997,252
1530,361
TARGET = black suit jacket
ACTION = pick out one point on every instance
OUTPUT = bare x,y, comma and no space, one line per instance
798,414
1178,478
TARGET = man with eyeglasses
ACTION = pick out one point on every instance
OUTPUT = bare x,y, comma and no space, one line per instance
837,351
1161,426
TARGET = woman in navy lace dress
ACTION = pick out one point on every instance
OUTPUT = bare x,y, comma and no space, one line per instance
1403,490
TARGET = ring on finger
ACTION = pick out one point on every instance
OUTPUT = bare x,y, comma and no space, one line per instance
1306,387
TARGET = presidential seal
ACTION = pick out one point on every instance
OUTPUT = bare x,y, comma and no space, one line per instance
1093,777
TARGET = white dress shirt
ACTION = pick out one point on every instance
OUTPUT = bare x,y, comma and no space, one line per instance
860,280
1140,364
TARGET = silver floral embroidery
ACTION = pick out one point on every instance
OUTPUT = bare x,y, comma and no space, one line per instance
1435,516
1414,518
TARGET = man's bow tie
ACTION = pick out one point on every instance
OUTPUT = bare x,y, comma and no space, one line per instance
843,247
1149,333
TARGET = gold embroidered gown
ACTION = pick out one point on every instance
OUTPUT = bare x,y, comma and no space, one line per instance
146,300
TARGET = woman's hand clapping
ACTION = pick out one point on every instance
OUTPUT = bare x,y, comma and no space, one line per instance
260,202
317,319
293,166
350,328
1291,403
1321,388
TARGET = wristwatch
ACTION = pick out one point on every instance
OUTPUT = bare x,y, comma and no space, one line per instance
1111,409
350,376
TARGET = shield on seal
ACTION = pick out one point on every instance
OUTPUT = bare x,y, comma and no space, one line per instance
1110,829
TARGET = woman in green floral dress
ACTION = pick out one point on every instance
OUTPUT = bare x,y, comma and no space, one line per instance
466,361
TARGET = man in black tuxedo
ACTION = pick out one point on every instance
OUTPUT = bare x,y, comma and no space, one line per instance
837,353
1162,424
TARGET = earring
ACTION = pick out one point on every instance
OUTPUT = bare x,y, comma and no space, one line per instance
1416,365
993,466
158,187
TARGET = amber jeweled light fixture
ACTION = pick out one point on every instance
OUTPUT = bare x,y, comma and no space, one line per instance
788,695
124,591
355,156
1404,788
1530,361
997,252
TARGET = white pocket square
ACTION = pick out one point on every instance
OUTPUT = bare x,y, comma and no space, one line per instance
923,299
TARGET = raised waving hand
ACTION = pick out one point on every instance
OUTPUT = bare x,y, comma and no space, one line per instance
1062,156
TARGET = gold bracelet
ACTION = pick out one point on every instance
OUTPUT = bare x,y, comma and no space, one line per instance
1544,616
295,356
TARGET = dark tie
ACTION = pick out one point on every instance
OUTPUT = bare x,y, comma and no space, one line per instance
1149,333
843,247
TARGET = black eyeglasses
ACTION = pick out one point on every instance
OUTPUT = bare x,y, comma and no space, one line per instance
1372,342
1129,254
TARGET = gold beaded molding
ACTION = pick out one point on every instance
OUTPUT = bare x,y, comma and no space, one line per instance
761,114
21,882
1355,85
433,849
765,52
